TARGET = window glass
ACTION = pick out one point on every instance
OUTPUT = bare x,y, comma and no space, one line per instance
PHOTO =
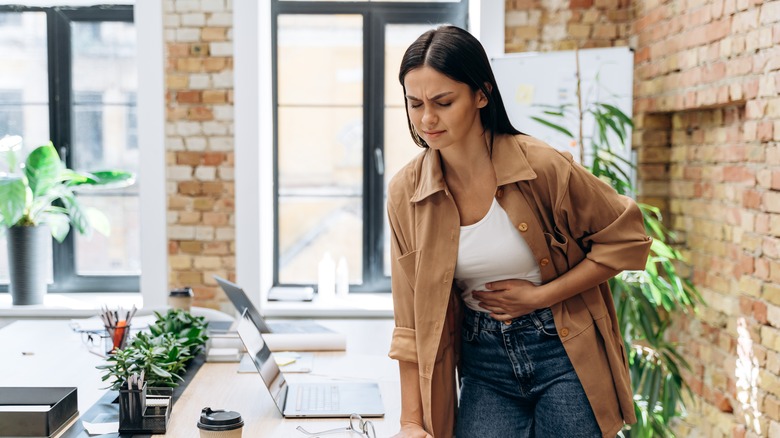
24,91
320,144
104,137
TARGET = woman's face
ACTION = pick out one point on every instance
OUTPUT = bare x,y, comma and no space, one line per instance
443,111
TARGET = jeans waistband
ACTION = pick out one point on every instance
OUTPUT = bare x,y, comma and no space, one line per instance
480,321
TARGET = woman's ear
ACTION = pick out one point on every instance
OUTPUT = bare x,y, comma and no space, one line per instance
482,99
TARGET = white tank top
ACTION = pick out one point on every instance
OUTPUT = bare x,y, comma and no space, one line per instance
492,250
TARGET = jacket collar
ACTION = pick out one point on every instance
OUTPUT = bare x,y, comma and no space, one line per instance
509,161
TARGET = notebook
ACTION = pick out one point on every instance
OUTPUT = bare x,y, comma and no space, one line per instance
307,399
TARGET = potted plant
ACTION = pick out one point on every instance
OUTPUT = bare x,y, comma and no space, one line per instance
38,199
162,354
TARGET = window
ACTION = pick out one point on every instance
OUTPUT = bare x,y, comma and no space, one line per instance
69,76
340,130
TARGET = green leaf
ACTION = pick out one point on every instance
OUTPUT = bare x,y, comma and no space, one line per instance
42,168
554,126
103,179
59,225
98,220
617,112
159,371
12,200
78,217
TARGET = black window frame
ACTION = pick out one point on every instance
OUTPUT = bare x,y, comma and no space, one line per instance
59,43
376,15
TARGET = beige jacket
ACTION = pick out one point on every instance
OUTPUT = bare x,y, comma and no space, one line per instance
565,214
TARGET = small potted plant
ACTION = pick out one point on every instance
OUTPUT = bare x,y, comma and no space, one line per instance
38,199
162,354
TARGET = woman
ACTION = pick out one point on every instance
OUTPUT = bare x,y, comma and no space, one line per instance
501,250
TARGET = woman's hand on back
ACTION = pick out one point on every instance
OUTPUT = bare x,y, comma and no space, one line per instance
508,299
412,431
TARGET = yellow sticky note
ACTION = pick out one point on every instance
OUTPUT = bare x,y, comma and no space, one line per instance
283,359
524,94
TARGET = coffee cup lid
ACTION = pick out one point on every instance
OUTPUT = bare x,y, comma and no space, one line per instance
219,419
183,292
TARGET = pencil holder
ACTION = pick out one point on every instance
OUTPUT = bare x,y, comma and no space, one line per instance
132,405
116,337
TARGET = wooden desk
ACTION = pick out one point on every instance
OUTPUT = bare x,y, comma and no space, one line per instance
61,359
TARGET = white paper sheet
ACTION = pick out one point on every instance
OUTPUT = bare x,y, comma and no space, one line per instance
100,428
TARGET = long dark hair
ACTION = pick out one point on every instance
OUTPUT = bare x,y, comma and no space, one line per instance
457,54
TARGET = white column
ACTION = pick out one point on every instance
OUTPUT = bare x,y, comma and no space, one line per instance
151,141
253,146
486,22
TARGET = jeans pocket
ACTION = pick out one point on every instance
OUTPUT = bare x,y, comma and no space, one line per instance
467,333
547,327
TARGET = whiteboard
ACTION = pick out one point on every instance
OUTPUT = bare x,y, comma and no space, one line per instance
526,80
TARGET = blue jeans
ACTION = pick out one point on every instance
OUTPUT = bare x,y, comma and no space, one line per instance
517,381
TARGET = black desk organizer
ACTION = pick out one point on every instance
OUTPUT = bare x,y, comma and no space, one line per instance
143,411
108,406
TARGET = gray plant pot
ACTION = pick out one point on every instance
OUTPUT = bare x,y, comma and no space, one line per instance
27,249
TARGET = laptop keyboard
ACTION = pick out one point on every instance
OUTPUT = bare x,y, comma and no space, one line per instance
317,398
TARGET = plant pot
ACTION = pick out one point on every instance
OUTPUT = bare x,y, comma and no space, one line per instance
27,263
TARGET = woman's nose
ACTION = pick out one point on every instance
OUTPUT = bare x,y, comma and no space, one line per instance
429,117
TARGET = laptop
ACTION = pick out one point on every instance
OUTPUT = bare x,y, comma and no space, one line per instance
241,301
307,399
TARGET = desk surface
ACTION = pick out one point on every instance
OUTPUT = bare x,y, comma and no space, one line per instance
48,353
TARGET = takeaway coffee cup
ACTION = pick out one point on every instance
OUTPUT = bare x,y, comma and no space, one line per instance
220,424
181,298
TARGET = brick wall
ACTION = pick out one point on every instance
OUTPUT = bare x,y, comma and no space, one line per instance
199,145
710,68
544,25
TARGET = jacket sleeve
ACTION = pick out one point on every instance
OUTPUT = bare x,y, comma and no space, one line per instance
609,227
403,345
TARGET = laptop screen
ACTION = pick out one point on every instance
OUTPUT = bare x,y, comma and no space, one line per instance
241,301
263,359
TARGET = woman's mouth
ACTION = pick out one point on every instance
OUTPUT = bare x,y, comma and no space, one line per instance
433,134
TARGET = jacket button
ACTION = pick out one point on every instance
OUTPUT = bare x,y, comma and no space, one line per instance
500,192
523,227
564,332
544,262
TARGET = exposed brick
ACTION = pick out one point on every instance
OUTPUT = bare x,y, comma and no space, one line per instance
213,34
215,64
189,158
190,188
176,81
188,96
580,4
177,50
760,312
213,158
200,113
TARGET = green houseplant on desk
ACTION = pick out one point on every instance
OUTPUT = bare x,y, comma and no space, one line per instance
38,199
162,354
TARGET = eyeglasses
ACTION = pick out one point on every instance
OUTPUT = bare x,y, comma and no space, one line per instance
356,425
96,342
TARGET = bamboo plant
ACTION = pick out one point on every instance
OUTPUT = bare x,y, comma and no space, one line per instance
646,301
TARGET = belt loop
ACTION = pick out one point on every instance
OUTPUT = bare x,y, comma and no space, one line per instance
536,320
477,320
